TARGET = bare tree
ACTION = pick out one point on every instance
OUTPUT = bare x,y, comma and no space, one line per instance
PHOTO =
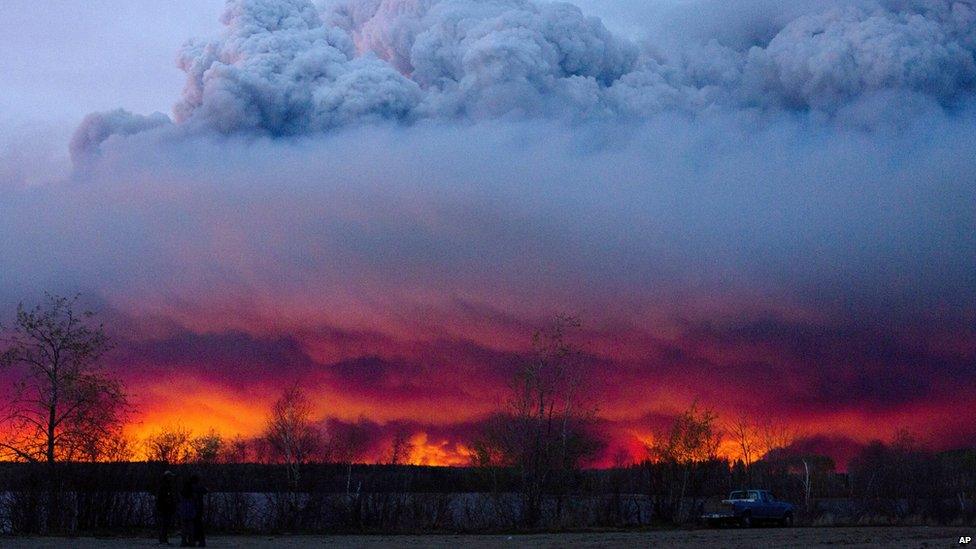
400,448
772,436
64,406
208,447
292,438
693,437
545,429
347,444
691,442
117,447
171,444
742,431
238,450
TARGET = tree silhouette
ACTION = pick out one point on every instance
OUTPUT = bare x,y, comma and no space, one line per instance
64,407
292,438
172,444
208,447
545,429
689,445
400,448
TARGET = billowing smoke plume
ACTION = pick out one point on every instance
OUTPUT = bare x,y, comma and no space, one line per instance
284,67
823,61
278,69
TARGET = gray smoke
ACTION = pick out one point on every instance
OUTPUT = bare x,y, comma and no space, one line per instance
288,68
278,69
98,127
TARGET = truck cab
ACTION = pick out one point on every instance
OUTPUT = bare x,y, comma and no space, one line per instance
748,507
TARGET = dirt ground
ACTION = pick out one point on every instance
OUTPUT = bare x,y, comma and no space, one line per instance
724,538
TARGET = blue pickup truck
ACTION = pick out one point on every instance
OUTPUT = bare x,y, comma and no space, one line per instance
749,507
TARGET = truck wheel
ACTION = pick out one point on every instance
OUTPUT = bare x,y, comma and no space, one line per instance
745,521
788,520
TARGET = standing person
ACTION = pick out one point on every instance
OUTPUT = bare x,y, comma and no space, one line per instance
165,506
187,514
199,517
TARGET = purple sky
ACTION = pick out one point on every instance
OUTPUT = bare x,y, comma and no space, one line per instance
62,59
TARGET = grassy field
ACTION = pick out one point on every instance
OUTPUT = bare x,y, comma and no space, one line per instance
730,538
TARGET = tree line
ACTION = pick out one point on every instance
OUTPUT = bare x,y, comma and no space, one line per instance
531,454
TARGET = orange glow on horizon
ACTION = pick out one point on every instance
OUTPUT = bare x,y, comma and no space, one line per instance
437,452
200,407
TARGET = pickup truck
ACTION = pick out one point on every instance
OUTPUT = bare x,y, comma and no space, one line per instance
748,507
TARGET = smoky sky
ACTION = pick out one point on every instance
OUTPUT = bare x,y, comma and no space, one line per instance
384,198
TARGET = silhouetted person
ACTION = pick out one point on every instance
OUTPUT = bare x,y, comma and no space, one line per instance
188,511
199,524
165,506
